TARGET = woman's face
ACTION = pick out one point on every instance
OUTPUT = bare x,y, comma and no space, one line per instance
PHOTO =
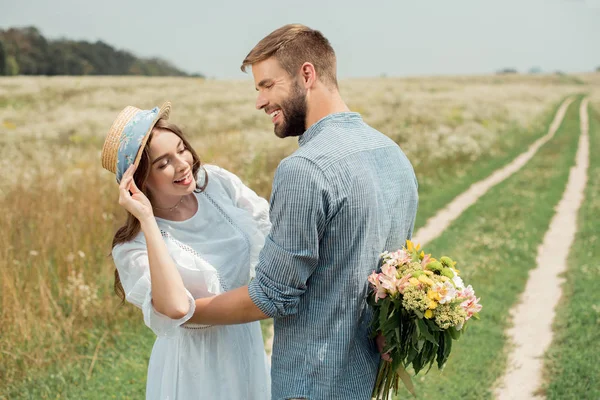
170,167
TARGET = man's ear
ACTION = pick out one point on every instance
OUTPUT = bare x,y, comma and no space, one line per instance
308,75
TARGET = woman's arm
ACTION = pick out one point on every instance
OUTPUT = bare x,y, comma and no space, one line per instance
168,292
169,295
233,307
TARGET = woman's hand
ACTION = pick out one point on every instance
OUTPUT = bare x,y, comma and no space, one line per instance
132,198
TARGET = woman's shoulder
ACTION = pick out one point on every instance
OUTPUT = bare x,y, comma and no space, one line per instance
220,177
138,242
220,173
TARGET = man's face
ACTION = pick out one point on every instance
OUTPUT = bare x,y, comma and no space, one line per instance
281,96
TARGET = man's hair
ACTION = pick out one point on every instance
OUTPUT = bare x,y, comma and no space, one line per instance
293,45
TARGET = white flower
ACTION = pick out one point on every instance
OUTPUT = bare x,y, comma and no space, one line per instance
458,282
446,290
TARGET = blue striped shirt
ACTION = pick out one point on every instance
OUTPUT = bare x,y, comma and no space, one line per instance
345,196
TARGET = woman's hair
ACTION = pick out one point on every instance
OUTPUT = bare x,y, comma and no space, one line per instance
132,226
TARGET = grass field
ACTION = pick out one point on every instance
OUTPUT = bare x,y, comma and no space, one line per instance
63,333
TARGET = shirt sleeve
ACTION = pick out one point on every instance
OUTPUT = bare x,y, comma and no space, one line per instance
299,210
131,260
245,198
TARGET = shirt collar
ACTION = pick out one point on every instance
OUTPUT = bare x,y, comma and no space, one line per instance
321,124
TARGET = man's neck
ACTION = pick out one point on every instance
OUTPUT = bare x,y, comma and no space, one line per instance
322,103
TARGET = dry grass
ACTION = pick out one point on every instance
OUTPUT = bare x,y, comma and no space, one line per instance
58,208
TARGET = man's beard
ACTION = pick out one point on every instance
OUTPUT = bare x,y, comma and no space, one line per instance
294,114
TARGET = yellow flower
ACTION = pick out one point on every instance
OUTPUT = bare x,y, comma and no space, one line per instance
414,281
428,272
433,295
432,305
444,278
426,280
428,314
411,247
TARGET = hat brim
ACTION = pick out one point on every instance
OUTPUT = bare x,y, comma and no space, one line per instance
163,112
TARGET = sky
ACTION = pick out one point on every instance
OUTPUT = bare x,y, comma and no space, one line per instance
370,38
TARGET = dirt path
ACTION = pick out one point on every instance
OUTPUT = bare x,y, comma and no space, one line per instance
436,225
531,333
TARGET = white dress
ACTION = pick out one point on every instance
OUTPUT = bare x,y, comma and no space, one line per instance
215,251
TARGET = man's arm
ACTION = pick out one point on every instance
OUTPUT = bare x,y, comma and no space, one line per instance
233,307
289,256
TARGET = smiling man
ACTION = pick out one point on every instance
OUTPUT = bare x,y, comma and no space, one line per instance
345,196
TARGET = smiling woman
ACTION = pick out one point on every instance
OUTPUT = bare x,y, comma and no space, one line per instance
185,239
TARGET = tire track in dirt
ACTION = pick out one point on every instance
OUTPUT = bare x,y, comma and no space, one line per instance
531,333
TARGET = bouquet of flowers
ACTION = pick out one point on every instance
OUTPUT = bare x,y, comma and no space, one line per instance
420,306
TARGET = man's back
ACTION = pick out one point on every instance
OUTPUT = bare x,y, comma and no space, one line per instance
346,195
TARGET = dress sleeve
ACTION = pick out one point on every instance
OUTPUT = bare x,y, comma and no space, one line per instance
131,260
244,197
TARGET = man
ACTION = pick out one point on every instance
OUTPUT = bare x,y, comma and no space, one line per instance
345,196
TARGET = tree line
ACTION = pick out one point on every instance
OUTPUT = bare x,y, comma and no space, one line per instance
25,51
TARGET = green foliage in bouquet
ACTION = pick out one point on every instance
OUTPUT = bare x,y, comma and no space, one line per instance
420,306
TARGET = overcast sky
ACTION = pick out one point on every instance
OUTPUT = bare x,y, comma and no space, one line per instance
371,38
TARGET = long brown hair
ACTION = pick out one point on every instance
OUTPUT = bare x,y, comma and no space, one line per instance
132,226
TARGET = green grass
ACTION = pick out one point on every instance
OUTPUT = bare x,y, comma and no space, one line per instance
571,367
495,242
439,186
119,371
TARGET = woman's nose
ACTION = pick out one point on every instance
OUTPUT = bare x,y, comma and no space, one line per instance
182,162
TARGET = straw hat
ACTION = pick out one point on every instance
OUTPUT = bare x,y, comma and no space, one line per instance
127,135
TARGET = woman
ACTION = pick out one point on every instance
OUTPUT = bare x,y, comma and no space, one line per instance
192,231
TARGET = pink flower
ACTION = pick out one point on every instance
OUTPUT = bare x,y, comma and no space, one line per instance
389,270
403,283
466,293
380,292
471,306
374,279
389,283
